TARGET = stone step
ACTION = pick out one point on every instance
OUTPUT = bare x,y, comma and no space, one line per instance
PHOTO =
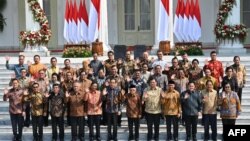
242,119
121,136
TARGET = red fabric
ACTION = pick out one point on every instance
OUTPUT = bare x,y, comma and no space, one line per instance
166,5
197,12
216,69
66,16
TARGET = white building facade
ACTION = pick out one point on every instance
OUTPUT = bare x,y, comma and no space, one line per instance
130,22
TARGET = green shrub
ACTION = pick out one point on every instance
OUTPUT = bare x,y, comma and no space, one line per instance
77,52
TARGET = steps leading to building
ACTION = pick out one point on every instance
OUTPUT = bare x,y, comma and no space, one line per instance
5,125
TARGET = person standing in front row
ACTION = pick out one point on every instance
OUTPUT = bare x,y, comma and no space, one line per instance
230,105
37,100
56,102
76,99
16,108
151,98
209,113
112,96
191,100
171,109
133,111
94,104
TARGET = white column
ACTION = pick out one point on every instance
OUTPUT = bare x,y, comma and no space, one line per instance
171,35
103,29
171,23
228,45
156,44
30,23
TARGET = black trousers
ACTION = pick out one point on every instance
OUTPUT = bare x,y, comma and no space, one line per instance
94,120
228,122
27,115
133,122
210,119
240,93
112,120
104,114
68,114
191,125
153,119
57,121
17,123
80,122
37,123
172,120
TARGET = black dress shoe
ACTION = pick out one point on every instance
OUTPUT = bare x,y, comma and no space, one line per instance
188,138
194,139
98,138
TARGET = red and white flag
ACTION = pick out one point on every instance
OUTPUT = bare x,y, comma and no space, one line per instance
74,24
191,20
94,20
197,22
181,20
163,23
70,31
176,21
66,22
83,22
186,23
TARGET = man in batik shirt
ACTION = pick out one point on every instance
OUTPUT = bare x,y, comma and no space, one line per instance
216,68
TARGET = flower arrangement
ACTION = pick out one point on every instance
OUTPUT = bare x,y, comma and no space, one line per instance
41,36
77,52
192,49
223,31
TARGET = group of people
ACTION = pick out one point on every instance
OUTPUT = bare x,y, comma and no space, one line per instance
97,92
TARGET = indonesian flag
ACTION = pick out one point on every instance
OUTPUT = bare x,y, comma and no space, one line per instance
82,22
66,22
163,24
94,22
186,22
70,31
197,22
181,20
74,24
176,21
191,20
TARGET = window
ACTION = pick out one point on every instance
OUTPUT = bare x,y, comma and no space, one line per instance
246,12
46,8
145,14
129,14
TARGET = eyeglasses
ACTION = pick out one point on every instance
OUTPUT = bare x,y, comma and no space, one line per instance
35,87
227,87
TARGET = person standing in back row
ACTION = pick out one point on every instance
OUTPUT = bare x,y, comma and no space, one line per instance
239,70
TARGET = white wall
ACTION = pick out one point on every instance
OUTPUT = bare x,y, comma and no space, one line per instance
112,22
9,37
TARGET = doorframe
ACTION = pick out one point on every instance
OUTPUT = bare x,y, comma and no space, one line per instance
121,20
